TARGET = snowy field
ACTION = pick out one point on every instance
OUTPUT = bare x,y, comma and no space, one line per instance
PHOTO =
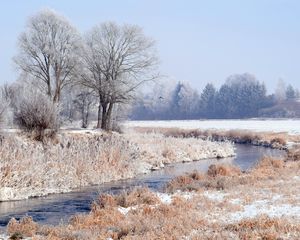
270,125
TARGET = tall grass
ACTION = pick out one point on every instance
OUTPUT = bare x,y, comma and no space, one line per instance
197,217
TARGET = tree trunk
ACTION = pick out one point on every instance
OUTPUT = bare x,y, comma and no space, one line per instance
99,116
56,98
49,88
104,117
57,83
109,113
87,115
84,119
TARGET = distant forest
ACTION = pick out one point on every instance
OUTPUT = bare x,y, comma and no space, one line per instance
241,96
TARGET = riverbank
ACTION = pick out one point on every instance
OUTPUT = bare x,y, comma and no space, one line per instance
74,159
276,140
274,125
224,203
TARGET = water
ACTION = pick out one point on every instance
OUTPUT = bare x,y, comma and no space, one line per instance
58,208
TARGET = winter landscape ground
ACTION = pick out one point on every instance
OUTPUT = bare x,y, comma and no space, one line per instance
291,126
75,159
223,203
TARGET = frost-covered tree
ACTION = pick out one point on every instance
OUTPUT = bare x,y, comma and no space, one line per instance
184,103
207,101
290,92
117,60
241,96
83,102
156,103
48,51
280,92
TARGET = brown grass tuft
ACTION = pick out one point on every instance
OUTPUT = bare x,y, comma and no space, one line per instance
223,170
26,227
200,216
217,177
269,163
263,227
294,153
126,199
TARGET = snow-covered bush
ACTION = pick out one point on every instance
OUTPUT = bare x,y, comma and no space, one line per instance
3,108
5,102
36,112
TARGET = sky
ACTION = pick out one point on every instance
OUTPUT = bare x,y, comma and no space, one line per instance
197,41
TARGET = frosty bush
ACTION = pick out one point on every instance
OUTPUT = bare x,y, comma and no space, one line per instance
4,106
37,113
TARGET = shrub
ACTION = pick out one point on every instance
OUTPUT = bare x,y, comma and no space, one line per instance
25,227
4,106
128,198
222,170
36,114
2,112
269,163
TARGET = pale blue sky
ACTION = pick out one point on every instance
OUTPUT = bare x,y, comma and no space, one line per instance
198,41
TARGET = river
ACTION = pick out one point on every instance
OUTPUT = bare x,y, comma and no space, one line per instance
58,208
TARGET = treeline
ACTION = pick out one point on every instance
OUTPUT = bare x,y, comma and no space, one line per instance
241,96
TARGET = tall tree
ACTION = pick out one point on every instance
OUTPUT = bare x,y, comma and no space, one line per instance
207,100
241,96
48,51
280,92
290,92
118,59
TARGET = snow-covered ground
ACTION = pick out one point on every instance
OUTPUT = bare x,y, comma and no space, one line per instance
270,125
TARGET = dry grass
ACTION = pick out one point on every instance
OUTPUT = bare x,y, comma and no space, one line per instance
223,170
158,149
268,139
204,215
217,177
264,227
126,199
294,153
221,177
26,227
31,168
74,159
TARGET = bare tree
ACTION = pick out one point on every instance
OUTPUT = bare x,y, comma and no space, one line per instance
117,60
48,52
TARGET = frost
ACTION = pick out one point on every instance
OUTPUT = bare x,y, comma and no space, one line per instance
165,198
216,196
264,207
124,211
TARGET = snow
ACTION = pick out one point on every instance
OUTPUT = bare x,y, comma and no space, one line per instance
265,207
164,198
292,126
124,210
167,198
215,196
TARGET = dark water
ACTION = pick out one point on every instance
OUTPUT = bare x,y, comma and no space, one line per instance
58,208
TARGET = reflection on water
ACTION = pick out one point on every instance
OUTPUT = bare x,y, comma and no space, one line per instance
58,208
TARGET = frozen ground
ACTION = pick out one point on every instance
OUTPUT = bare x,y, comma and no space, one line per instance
270,125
